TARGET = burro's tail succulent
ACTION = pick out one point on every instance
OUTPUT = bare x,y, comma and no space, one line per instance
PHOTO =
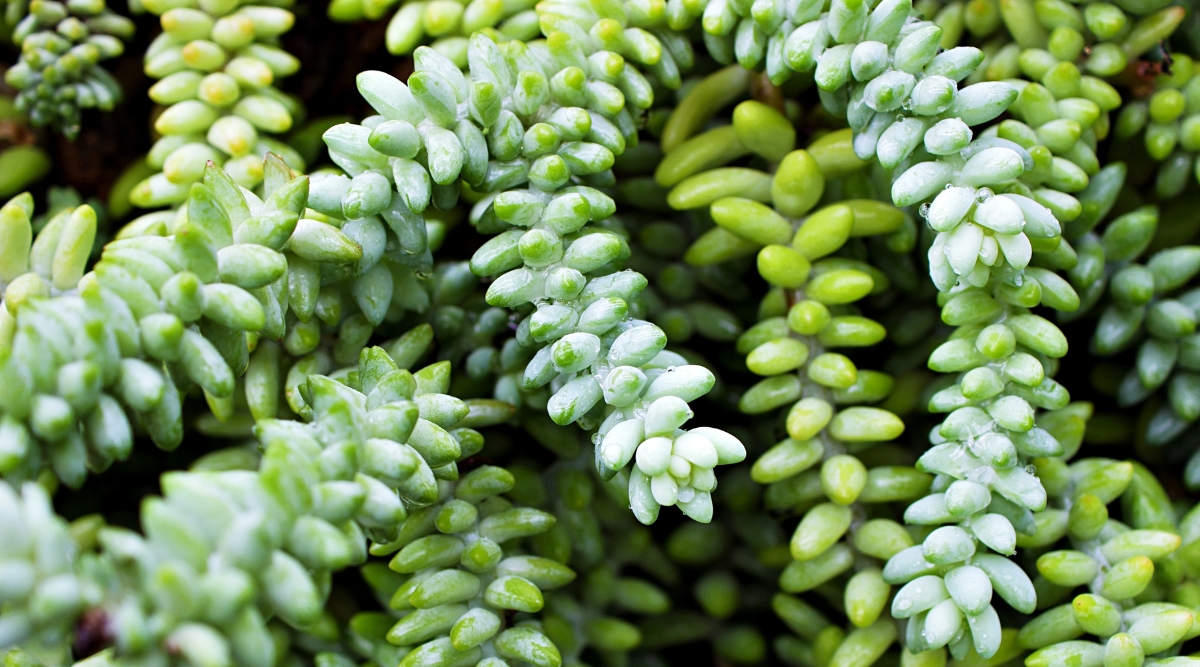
989,222
224,550
1132,570
90,358
217,64
536,128
59,75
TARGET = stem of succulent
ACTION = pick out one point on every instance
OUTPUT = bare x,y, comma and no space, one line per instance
866,593
1118,566
982,447
154,316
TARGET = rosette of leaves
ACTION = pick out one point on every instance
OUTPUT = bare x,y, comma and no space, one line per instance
459,325
335,310
337,344
1168,125
216,65
960,594
326,346
564,319
21,259
90,357
59,73
224,550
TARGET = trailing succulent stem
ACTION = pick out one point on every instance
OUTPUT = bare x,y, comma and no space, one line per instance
375,463
87,357
640,179
217,64
58,75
